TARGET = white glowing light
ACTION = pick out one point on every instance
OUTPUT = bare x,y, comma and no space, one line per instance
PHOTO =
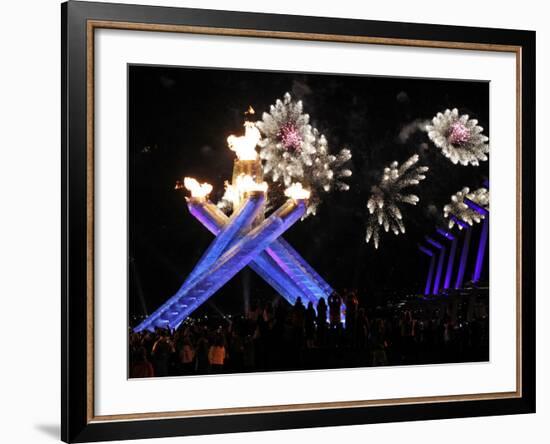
247,184
234,193
230,198
245,146
198,190
297,192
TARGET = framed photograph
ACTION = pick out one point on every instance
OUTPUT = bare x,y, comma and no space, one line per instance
277,221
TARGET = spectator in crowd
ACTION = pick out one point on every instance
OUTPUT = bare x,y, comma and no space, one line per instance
309,322
216,355
187,356
141,367
276,336
161,352
321,321
351,314
298,321
202,362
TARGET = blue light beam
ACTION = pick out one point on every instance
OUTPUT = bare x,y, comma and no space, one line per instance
235,259
240,220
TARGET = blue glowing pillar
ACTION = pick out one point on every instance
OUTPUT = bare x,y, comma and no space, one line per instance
308,268
481,249
213,219
440,262
241,219
429,253
442,251
463,259
235,259
450,263
482,239
450,260
309,286
430,276
280,264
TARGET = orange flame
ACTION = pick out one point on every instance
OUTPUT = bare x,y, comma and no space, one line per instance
245,146
198,190
243,184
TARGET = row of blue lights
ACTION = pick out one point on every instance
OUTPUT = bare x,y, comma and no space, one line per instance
439,249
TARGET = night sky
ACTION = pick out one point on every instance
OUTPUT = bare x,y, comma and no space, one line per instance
179,119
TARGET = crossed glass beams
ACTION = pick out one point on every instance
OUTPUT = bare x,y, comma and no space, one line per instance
433,285
237,245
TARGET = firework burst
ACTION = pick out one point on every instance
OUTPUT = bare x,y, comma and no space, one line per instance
387,197
459,137
461,211
292,150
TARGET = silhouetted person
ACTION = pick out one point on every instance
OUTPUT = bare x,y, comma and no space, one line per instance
216,355
351,314
187,356
201,348
321,321
298,320
161,353
309,324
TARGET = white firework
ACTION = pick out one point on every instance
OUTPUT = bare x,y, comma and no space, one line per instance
292,150
387,197
459,137
459,209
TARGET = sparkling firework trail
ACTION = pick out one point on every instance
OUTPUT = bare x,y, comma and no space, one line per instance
292,150
461,211
386,198
459,137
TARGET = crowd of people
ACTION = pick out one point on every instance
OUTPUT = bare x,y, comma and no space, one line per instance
277,336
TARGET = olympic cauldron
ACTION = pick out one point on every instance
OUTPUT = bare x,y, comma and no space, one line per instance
246,238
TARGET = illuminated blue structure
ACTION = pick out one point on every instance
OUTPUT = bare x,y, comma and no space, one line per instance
209,275
450,261
463,258
267,265
482,239
441,259
426,251
280,265
244,239
239,220
481,250
433,287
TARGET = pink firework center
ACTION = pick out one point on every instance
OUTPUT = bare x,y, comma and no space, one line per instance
458,134
290,137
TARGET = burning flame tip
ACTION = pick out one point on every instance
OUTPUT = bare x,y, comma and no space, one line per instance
243,184
245,146
198,190
246,183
